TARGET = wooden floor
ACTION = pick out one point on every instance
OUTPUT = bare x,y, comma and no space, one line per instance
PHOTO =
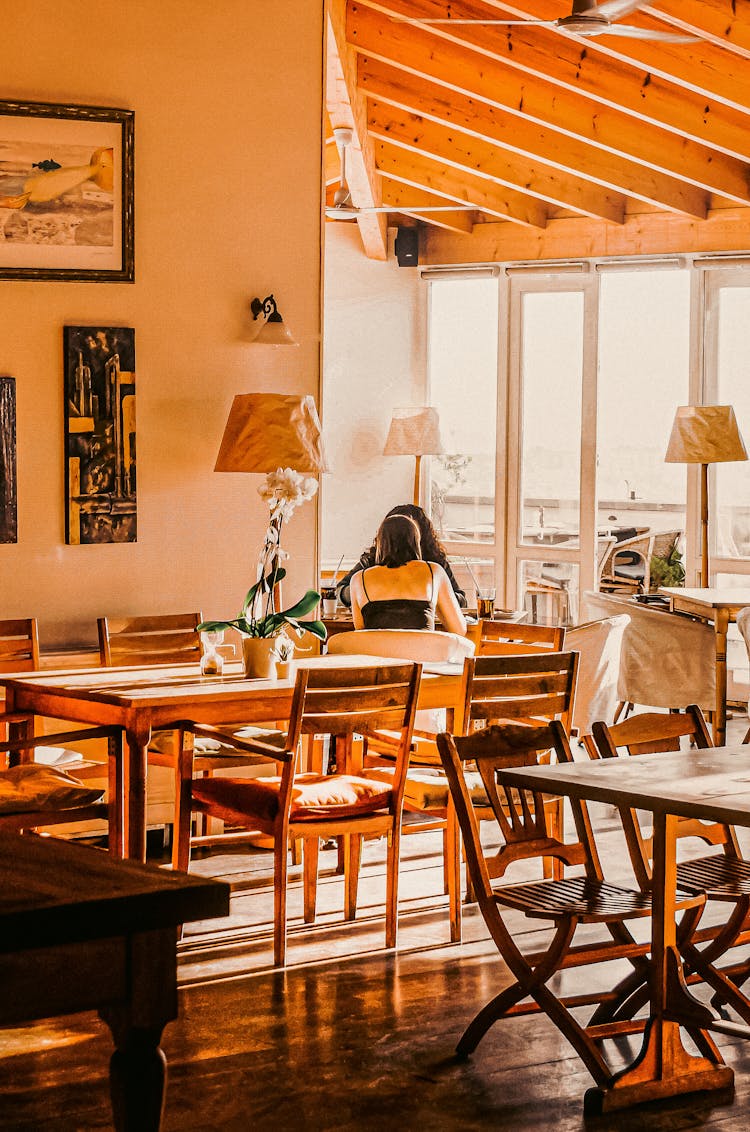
349,1037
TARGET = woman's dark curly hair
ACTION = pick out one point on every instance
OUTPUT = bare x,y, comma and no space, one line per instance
432,549
397,541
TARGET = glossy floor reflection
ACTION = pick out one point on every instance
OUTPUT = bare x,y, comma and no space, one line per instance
349,1036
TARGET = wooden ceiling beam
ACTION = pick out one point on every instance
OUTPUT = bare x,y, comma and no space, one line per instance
709,70
725,23
432,176
346,108
569,64
471,154
332,163
569,155
460,69
581,238
401,197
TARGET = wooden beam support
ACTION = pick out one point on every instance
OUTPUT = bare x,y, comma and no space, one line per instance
459,69
470,154
568,155
346,107
569,64
725,23
433,176
400,197
726,230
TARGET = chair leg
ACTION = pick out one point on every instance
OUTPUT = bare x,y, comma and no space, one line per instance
352,857
296,850
452,839
391,895
280,868
747,736
310,883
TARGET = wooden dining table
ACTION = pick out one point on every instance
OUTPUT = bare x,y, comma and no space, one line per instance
712,784
144,700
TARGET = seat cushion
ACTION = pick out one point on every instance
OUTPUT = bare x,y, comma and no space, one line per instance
428,789
31,787
245,801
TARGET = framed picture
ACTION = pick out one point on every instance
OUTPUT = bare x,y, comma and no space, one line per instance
66,192
100,434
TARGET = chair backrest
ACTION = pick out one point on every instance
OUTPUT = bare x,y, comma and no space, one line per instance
599,645
520,813
172,638
501,638
357,700
652,732
743,624
667,661
406,644
19,645
532,688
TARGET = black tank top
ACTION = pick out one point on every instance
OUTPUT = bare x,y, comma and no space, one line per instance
399,612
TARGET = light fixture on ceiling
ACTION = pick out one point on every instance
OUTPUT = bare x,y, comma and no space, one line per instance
271,329
705,434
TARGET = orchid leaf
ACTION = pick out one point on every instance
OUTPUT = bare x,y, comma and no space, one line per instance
304,605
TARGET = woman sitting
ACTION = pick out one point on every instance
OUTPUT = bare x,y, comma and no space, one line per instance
432,551
401,591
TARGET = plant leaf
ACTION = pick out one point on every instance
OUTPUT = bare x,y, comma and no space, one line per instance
304,605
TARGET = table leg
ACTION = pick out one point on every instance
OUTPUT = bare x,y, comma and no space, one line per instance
664,1068
721,624
138,1067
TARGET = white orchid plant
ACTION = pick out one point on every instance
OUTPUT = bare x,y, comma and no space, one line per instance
284,490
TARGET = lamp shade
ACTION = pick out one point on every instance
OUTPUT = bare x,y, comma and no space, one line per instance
414,432
265,431
705,434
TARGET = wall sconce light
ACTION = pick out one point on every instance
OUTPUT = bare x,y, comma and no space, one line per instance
271,329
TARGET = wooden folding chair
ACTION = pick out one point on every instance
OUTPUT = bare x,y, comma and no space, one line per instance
340,702
522,824
722,876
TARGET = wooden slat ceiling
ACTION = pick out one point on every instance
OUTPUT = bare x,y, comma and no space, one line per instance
563,146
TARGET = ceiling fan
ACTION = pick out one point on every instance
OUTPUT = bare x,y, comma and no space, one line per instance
587,18
344,208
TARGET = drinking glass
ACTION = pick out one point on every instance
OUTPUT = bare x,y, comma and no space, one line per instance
485,603
330,600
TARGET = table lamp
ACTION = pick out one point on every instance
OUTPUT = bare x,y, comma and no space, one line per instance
414,432
705,434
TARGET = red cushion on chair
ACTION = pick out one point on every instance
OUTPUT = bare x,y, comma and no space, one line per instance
244,801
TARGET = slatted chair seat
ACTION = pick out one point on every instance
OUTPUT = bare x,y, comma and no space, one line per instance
721,878
590,901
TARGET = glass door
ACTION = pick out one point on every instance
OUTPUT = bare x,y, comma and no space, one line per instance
726,383
551,469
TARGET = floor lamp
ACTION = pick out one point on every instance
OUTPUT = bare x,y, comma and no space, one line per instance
705,434
414,432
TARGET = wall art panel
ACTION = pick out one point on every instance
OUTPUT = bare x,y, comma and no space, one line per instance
100,434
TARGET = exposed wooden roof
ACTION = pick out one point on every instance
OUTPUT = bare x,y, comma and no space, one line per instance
564,146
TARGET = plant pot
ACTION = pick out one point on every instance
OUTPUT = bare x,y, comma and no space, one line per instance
259,658
286,669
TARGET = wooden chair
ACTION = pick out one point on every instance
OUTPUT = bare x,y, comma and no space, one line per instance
501,638
341,702
171,639
721,876
37,788
493,687
627,567
521,821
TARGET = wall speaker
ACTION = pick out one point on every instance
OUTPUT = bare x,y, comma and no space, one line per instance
407,247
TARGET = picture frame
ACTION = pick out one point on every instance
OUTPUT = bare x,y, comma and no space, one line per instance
67,192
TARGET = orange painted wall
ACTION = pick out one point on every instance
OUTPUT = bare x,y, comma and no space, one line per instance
227,100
